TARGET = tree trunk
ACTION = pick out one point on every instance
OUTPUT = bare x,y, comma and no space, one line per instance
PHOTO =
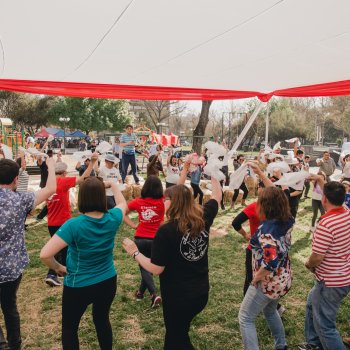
199,131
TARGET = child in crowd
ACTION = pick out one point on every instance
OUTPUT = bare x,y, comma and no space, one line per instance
195,181
317,194
347,194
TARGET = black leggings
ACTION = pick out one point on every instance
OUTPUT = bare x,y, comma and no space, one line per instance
145,247
244,188
178,315
316,205
74,303
197,191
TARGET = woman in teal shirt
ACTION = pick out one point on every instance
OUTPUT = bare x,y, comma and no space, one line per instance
90,276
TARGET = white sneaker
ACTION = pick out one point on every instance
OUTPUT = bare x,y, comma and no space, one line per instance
312,229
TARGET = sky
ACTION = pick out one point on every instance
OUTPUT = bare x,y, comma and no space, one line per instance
219,105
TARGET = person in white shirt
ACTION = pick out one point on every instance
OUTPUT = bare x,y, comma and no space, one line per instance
346,168
173,171
109,172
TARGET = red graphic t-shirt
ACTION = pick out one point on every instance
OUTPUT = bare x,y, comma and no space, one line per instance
58,204
151,215
254,221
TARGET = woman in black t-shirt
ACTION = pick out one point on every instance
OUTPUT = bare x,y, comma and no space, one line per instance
180,257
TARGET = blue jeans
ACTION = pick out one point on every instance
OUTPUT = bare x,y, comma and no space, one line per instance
254,302
321,313
126,160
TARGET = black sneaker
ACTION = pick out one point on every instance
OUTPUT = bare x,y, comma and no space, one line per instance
156,301
222,207
138,296
53,281
306,346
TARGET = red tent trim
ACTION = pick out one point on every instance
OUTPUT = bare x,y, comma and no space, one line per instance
338,88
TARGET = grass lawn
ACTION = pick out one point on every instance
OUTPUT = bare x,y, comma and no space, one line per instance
136,326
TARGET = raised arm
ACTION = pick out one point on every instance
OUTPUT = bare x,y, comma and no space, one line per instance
50,188
216,190
44,146
88,170
23,160
267,182
183,174
119,198
168,158
78,165
318,180
295,148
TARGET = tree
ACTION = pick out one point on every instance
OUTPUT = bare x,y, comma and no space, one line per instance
158,111
339,111
27,111
89,114
199,131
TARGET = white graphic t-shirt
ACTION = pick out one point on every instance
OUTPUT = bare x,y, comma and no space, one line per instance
109,175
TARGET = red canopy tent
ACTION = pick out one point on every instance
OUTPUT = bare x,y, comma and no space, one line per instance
42,133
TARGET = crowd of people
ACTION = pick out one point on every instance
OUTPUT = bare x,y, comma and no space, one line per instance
171,238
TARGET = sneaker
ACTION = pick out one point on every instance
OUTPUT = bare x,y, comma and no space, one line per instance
306,346
138,296
281,310
312,229
137,184
156,301
222,207
53,281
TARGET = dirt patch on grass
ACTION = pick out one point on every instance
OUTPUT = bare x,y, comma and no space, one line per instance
211,329
36,323
217,232
132,332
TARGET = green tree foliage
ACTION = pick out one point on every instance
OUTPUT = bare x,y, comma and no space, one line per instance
27,111
89,114
284,122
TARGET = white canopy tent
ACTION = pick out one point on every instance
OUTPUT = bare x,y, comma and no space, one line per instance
161,49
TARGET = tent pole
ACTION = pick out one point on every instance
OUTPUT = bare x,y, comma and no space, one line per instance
267,124
247,127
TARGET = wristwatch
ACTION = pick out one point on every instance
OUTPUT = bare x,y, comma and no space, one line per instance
136,254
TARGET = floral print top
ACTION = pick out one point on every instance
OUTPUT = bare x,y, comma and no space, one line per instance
270,248
14,208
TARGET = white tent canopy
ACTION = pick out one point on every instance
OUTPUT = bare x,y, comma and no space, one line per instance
248,48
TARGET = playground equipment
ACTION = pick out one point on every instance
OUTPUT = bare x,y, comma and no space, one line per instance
9,136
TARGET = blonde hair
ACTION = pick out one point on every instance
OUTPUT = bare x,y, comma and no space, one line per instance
184,211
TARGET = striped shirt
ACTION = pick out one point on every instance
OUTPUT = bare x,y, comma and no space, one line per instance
125,138
332,240
23,180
